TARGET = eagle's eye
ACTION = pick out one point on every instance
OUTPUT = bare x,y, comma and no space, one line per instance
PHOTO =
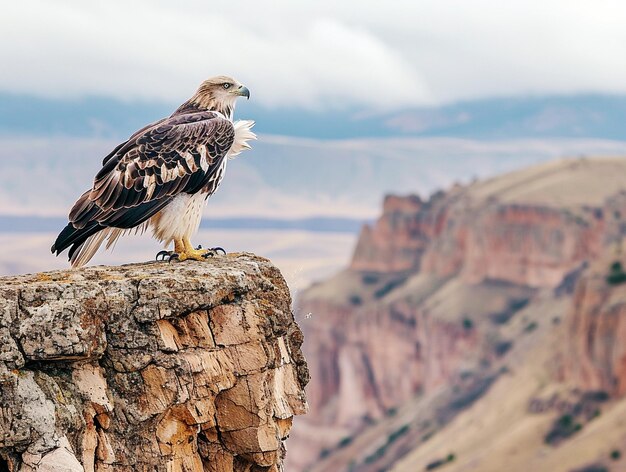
226,85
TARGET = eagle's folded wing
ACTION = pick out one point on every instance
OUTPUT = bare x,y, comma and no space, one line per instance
176,155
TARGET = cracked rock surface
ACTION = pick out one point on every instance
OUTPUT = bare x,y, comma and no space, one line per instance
160,367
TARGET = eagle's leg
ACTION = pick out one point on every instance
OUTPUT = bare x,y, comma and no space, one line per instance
185,250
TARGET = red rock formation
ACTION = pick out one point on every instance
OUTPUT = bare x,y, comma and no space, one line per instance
529,227
396,241
521,244
594,356
371,360
416,309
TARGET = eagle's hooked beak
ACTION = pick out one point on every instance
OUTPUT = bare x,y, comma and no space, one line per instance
243,92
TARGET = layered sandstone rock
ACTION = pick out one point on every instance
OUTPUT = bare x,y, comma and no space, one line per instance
454,234
167,367
521,244
594,354
396,241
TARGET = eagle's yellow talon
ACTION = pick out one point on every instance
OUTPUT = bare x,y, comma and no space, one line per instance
186,251
196,255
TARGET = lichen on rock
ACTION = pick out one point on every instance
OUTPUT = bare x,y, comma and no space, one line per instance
177,367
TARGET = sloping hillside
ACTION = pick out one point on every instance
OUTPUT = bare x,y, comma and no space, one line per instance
563,184
543,414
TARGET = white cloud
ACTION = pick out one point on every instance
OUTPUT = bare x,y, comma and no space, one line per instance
315,54
151,51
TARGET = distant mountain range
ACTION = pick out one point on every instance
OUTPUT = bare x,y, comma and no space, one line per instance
573,116
285,178
307,164
45,224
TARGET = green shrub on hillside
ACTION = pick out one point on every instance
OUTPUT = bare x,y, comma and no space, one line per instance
502,347
439,462
396,434
616,274
388,287
530,327
345,442
564,427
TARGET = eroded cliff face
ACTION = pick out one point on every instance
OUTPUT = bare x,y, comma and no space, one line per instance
177,367
433,286
483,259
398,238
365,365
456,234
594,351
521,244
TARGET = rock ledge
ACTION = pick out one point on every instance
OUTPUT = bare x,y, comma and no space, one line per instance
160,367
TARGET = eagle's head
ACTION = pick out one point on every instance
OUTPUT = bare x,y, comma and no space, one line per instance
219,94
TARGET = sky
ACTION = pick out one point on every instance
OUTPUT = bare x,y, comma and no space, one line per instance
369,55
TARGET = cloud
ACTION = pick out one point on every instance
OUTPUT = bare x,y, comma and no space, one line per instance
477,48
321,54
151,51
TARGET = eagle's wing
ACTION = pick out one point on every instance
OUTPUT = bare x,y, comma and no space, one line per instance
142,175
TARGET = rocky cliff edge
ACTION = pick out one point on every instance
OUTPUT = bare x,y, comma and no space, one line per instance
177,367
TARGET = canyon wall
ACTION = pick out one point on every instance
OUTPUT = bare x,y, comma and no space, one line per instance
454,234
161,367
503,251
433,284
594,353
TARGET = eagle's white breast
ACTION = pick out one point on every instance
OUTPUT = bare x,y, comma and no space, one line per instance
181,218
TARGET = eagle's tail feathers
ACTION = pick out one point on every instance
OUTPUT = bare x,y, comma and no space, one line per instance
82,254
71,235
84,238
116,233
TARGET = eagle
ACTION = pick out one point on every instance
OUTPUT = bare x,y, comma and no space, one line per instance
161,177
